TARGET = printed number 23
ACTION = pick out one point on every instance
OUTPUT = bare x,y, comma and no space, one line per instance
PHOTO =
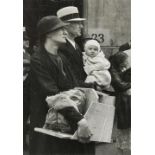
99,37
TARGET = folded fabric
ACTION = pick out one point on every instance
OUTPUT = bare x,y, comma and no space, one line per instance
74,99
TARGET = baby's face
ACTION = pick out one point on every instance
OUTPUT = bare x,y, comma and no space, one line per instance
92,51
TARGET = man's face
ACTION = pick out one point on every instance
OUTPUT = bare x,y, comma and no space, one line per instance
75,28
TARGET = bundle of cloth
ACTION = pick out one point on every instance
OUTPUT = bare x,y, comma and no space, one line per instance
74,99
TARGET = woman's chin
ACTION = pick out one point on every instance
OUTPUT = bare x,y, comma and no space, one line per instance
63,41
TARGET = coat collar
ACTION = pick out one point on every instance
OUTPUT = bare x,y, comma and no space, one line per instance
46,58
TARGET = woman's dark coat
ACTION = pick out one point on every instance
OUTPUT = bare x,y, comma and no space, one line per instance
47,79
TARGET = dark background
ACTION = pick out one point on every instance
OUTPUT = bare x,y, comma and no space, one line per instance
33,10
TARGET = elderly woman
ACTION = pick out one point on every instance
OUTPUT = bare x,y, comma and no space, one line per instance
50,75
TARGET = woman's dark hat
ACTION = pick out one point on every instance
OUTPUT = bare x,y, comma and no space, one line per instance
49,24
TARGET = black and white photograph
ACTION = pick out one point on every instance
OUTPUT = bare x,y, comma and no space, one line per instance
65,84
76,77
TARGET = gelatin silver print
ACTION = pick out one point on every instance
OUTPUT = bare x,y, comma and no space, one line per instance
76,77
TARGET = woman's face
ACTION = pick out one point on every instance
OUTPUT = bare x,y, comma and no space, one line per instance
58,36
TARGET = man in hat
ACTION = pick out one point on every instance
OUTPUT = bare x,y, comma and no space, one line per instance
71,50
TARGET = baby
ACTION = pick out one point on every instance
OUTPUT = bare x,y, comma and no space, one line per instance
96,65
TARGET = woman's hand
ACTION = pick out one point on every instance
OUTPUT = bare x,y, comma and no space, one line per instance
83,131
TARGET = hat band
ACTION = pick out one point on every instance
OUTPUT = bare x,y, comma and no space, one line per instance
71,16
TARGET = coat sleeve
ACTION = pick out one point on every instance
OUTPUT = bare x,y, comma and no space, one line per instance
117,82
72,116
45,79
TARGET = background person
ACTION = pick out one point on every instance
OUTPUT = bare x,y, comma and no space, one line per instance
121,81
26,86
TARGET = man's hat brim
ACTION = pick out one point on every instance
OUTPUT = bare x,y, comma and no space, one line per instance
76,20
